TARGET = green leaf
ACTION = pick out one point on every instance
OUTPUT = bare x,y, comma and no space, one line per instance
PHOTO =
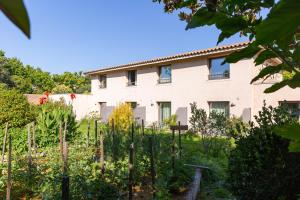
294,146
292,132
15,10
268,71
276,86
263,56
289,131
296,54
295,81
230,26
281,23
247,52
204,17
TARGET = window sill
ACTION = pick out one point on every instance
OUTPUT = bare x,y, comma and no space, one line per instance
218,80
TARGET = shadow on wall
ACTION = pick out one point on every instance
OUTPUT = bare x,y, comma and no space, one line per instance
181,114
246,115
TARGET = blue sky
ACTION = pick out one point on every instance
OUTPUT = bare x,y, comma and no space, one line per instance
74,35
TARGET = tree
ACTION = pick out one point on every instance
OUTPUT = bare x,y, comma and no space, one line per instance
261,167
14,108
276,36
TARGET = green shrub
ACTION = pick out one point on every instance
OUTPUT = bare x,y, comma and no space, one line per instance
51,115
261,167
14,108
171,121
122,116
236,128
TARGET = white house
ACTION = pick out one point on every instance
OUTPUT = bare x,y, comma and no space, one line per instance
164,86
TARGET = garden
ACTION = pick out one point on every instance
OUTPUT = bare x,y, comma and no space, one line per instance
47,154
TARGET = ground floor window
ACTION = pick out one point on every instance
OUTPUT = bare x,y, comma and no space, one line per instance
132,104
219,107
293,108
164,111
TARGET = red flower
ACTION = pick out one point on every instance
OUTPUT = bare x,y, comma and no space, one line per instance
73,96
43,100
46,93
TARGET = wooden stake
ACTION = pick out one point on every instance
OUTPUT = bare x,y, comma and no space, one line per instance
34,140
152,167
88,134
65,158
29,148
61,142
101,153
143,128
130,181
173,150
179,137
132,132
113,141
65,131
8,183
96,136
4,143
65,180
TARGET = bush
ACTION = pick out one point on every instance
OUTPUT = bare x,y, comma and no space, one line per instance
61,89
122,116
51,115
14,108
236,128
261,167
171,121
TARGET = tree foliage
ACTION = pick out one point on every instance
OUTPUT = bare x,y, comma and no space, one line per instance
15,108
261,167
275,36
28,79
51,115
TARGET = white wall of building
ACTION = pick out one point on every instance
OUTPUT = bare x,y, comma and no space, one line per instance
83,104
190,84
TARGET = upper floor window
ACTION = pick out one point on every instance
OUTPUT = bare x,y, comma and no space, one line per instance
131,76
219,107
165,74
102,80
217,70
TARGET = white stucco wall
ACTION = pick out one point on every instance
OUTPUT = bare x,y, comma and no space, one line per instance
189,84
83,104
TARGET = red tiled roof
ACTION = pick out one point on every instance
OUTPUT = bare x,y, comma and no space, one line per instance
34,98
191,54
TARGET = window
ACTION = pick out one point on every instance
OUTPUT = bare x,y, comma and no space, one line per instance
132,104
131,75
164,74
217,70
293,108
164,111
219,107
102,80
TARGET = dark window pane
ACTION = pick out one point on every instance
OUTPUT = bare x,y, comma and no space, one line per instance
102,80
132,77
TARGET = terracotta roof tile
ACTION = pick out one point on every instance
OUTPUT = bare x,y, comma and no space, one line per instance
191,54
